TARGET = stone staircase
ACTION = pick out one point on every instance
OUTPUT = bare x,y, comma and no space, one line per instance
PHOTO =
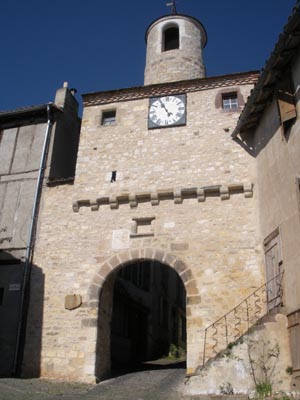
258,319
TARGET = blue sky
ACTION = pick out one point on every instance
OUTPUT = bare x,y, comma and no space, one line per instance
100,44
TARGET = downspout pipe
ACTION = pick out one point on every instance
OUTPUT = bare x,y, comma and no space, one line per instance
25,293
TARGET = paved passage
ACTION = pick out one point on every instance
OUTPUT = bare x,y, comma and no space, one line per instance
157,384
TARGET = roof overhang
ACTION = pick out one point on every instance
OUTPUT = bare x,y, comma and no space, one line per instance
286,48
28,115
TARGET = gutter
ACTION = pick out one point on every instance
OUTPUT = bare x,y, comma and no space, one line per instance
21,331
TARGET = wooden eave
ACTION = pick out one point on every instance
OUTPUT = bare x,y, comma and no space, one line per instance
286,48
28,115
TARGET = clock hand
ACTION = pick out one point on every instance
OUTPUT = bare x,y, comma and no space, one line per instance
164,106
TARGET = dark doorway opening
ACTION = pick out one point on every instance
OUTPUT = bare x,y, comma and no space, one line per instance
148,326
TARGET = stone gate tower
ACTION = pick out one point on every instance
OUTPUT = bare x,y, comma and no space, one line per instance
174,49
159,181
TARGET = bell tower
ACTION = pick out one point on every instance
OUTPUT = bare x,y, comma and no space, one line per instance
174,49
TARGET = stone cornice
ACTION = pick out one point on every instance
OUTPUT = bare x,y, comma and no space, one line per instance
192,85
177,195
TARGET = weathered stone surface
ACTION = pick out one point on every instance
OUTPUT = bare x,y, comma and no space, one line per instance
179,246
94,292
179,266
114,262
159,255
149,253
105,269
89,322
213,245
134,254
170,259
186,275
191,288
98,279
191,300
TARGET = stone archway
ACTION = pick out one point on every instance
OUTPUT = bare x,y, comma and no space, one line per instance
101,291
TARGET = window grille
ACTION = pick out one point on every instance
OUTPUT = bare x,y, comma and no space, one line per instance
230,101
108,118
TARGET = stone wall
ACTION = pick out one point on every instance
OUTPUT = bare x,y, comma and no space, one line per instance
201,153
210,240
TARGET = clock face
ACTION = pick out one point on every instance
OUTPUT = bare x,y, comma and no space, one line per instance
167,111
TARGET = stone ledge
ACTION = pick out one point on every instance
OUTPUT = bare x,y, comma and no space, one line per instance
177,195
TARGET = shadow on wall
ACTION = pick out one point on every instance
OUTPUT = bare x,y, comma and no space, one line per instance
256,139
103,361
31,337
11,283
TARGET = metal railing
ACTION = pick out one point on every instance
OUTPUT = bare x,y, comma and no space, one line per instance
235,323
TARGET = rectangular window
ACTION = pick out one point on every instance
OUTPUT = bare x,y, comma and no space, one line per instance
230,101
108,118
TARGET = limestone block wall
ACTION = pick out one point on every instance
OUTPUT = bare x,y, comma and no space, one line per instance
214,242
200,153
211,241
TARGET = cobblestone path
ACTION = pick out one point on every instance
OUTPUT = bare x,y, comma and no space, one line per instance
158,384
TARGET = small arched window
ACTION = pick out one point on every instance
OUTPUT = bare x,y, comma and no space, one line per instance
171,38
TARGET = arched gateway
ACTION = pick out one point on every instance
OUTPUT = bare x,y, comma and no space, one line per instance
100,299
